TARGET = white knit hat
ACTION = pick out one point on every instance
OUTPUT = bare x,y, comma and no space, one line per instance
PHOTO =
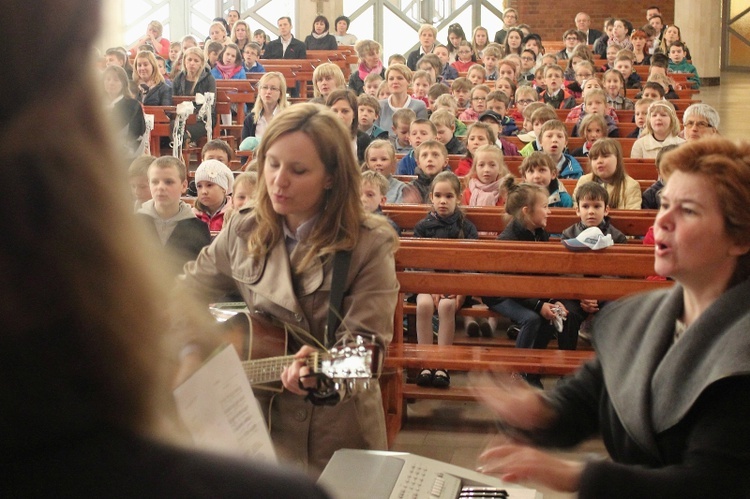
213,170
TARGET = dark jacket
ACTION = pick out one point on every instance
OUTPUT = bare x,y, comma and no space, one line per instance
455,226
357,84
455,146
275,50
187,239
414,57
328,42
206,83
517,231
650,199
363,140
128,115
673,415
606,227
159,95
594,35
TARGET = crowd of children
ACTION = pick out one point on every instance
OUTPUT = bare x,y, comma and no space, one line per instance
447,116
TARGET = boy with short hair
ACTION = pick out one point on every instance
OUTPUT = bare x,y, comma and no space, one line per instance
138,180
678,63
652,90
490,57
420,130
372,83
539,117
498,102
639,117
571,38
528,61
401,123
448,102
213,49
524,96
448,72
396,59
374,189
432,158
250,56
555,93
368,109
219,150
171,219
436,91
553,140
476,74
592,207
445,125
461,90
650,199
538,168
624,64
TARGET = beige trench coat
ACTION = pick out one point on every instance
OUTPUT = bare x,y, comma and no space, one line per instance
304,434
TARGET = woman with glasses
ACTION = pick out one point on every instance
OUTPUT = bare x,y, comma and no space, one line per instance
271,98
700,120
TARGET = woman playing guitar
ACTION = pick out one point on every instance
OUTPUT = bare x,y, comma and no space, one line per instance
279,256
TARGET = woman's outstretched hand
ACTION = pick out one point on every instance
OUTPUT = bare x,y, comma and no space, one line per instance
520,463
514,402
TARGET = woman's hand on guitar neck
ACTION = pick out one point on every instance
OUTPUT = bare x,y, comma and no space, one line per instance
291,376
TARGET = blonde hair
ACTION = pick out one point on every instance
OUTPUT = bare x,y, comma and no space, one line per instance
497,153
381,144
667,106
376,180
156,76
328,69
281,103
338,227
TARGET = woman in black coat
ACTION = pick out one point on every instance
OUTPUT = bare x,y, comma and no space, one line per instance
127,112
320,38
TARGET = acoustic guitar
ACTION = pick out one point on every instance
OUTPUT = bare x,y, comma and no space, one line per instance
262,346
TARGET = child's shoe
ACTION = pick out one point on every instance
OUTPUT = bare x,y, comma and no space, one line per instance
441,379
425,377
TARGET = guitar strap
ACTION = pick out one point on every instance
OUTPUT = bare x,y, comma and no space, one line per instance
341,261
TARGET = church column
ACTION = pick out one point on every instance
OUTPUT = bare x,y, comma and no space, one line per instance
700,25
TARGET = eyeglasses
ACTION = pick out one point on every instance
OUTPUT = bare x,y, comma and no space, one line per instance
464,51
700,125
479,99
527,58
525,102
263,88
585,76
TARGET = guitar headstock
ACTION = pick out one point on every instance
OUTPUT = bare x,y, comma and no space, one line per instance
358,361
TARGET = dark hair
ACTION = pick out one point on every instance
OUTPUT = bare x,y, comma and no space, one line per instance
662,152
289,19
320,18
218,144
342,18
660,61
678,43
455,29
593,191
351,98
655,86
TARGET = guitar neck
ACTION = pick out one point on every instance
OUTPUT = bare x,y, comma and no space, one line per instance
270,369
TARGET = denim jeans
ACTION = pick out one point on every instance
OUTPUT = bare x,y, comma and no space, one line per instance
535,330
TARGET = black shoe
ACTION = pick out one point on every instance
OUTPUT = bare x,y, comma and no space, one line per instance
534,380
441,379
425,377
513,331
472,329
486,329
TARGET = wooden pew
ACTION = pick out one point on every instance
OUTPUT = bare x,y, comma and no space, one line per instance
492,218
500,268
575,142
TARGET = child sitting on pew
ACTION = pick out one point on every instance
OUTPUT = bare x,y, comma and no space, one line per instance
399,134
168,217
614,86
527,206
495,121
138,180
483,180
662,129
372,84
595,102
445,125
553,139
374,189
479,134
639,117
592,206
214,181
539,117
477,103
650,198
499,102
445,220
381,157
539,169
608,169
368,110
420,130
432,158
447,101
593,127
